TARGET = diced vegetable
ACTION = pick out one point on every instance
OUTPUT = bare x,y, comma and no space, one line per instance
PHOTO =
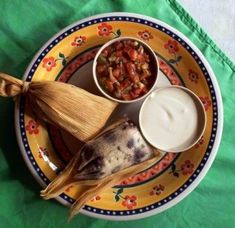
105,52
109,85
124,70
117,73
102,59
133,54
101,69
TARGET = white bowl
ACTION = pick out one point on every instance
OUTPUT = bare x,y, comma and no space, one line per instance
149,50
172,119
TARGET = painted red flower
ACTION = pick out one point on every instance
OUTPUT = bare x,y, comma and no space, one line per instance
187,167
157,190
173,78
193,76
96,198
166,71
140,177
200,142
104,29
206,102
48,63
145,35
78,41
171,46
32,127
169,73
162,64
175,81
43,151
129,202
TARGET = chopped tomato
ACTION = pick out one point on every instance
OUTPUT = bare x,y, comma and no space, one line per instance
146,57
109,85
140,58
133,54
118,45
127,97
124,70
134,95
106,52
125,84
101,69
119,53
137,91
131,69
117,73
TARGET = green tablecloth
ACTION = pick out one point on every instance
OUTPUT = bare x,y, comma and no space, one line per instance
24,27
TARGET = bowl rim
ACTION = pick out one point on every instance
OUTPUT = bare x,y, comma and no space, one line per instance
95,64
202,114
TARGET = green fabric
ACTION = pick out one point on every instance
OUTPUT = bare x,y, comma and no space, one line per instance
24,27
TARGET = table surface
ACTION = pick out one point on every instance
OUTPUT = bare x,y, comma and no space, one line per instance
211,204
217,18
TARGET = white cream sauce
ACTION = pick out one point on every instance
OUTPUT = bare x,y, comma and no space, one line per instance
169,119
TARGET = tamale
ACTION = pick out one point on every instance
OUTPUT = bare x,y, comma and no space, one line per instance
118,152
69,107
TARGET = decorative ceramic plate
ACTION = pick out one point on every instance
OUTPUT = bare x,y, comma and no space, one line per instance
67,57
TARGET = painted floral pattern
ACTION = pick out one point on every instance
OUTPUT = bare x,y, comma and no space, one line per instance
186,168
105,29
172,47
206,102
170,74
32,127
157,190
200,142
48,63
145,35
78,41
143,176
75,64
193,76
95,198
127,201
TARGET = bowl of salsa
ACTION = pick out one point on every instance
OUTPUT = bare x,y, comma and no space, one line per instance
125,69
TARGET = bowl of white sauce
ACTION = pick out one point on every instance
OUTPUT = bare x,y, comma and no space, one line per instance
172,119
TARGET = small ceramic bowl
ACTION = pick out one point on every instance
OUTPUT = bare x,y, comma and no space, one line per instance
153,64
172,119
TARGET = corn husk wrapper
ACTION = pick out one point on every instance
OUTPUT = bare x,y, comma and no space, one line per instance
69,107
83,168
94,187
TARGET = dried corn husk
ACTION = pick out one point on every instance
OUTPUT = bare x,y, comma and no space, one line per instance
101,185
83,169
71,108
60,183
